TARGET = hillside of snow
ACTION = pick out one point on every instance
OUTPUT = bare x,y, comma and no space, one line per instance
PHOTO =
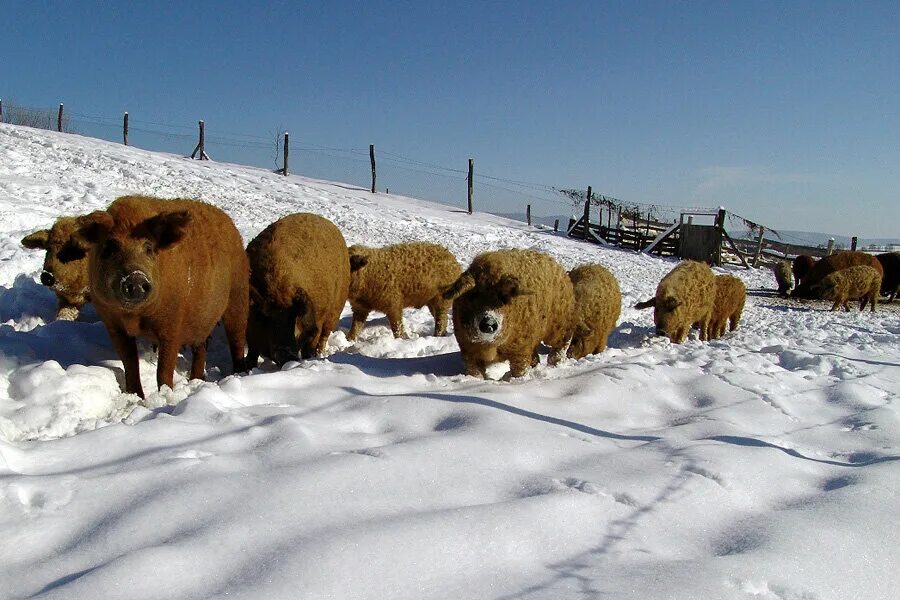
762,465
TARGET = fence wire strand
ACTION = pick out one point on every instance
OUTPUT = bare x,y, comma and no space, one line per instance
493,193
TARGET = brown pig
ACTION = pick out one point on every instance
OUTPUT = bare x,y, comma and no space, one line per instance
65,265
167,270
299,277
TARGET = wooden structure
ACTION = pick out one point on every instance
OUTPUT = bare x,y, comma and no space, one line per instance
683,238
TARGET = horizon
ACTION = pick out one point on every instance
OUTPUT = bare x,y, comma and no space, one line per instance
784,114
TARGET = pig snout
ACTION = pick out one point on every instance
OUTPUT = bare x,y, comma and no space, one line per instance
135,287
47,278
488,325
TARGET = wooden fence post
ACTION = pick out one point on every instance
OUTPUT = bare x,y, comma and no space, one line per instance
587,213
59,118
287,150
759,245
853,242
830,249
125,129
556,225
528,214
201,145
1,110
372,160
469,179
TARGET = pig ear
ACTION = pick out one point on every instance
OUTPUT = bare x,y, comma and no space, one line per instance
463,284
37,240
651,303
93,227
509,287
357,262
166,229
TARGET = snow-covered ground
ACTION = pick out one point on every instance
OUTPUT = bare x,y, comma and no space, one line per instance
762,465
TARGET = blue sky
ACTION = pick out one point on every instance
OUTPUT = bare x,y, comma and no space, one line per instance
787,113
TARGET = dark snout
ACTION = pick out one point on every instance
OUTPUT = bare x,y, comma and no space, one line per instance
488,324
47,278
284,356
135,287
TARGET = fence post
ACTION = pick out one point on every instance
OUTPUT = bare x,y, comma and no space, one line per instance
853,242
469,178
1,110
59,117
555,225
287,150
372,160
528,214
125,129
201,145
830,249
587,213
759,245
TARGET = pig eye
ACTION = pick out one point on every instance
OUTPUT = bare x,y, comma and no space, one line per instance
148,247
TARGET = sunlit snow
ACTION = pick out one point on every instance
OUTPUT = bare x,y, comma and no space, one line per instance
761,465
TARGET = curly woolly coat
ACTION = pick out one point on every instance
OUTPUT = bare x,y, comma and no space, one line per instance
505,304
783,277
299,277
830,264
391,278
683,297
65,265
598,302
731,294
859,282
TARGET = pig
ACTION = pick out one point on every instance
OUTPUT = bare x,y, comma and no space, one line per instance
299,280
167,270
65,265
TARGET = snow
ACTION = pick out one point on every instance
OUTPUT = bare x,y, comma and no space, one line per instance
762,465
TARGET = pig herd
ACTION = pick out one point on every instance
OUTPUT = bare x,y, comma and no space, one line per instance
841,277
170,270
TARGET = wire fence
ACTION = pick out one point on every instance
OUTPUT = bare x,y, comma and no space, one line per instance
399,174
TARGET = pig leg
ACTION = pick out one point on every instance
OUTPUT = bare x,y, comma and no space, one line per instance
474,366
439,310
395,317
557,355
324,334
252,358
165,367
359,321
198,360
518,364
126,348
704,330
235,322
